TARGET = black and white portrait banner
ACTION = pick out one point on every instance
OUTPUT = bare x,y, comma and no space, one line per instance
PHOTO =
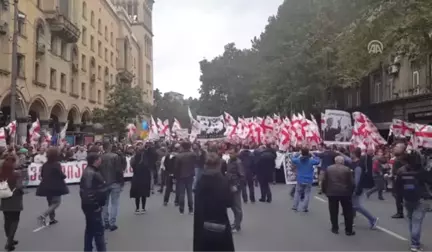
211,126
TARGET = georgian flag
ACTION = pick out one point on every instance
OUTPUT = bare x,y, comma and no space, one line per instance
176,125
11,128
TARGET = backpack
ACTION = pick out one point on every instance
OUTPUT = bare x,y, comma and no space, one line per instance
412,190
5,191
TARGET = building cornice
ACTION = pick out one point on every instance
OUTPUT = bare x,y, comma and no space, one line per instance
145,27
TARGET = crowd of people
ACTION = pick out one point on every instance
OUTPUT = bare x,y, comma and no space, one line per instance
213,177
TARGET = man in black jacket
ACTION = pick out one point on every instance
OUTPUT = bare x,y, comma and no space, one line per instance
412,183
184,170
247,159
93,197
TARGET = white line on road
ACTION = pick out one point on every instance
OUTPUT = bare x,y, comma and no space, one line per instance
385,230
39,229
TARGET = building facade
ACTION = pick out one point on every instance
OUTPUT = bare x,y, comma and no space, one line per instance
400,89
69,53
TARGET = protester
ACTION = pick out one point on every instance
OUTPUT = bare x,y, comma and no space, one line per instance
378,168
93,194
305,174
338,186
11,206
112,172
81,154
201,155
246,157
184,169
236,178
169,165
327,158
264,166
412,183
41,157
141,179
212,230
360,177
52,186
401,159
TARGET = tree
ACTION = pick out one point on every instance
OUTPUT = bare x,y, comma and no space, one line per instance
124,105
308,50
167,108
227,82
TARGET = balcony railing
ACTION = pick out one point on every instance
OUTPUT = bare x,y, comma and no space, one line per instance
404,93
62,27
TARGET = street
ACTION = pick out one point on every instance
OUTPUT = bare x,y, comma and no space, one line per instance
266,227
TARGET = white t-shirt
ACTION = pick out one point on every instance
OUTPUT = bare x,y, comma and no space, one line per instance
40,159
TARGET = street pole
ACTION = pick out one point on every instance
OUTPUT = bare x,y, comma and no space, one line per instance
13,93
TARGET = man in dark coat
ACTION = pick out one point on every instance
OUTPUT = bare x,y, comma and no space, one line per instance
246,157
265,163
185,171
212,230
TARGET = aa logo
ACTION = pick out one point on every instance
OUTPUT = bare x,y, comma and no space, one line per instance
375,47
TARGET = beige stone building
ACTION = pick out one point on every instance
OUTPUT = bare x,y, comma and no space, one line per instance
69,52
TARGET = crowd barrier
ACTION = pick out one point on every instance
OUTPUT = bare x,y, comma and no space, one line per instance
73,171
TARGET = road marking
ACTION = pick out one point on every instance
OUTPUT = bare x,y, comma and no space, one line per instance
39,229
385,230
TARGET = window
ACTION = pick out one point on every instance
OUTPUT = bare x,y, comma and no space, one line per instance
416,82
112,79
99,26
83,90
358,98
92,43
148,74
84,36
83,62
37,69
92,19
349,99
112,38
63,50
112,59
100,49
53,45
106,55
106,33
117,62
21,24
416,79
38,3
99,73
99,97
63,83
21,65
84,10
53,79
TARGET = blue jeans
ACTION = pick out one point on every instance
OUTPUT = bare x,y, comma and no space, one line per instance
302,189
358,207
94,231
110,214
197,176
416,213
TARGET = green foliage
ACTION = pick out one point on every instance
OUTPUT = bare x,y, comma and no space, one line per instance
125,104
167,108
308,48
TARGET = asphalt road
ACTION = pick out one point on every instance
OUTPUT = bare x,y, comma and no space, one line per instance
266,227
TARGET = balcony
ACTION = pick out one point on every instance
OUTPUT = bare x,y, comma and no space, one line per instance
125,75
62,27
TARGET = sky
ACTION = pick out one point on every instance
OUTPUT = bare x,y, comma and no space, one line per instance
187,31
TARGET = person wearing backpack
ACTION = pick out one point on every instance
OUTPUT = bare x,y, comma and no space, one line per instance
11,194
412,183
